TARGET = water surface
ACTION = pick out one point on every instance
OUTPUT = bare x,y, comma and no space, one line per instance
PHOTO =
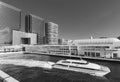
27,73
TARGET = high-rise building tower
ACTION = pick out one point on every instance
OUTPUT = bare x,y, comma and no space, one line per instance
35,24
10,18
51,33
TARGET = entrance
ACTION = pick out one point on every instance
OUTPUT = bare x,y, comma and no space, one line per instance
115,55
25,40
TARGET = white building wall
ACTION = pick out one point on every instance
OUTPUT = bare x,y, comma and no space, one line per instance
17,35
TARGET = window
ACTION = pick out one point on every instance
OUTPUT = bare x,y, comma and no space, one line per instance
92,54
80,62
115,55
88,53
85,53
25,40
65,62
97,54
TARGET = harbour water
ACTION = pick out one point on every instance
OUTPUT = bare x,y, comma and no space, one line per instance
34,73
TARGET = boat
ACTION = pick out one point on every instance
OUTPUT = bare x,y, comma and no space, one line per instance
48,65
82,66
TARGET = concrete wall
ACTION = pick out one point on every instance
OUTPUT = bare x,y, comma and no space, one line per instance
17,35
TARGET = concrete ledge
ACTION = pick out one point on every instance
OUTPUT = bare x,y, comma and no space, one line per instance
7,78
12,53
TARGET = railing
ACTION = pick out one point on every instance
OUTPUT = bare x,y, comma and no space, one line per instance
5,49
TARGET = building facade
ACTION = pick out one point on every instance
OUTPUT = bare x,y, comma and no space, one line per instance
10,19
62,41
17,27
62,50
51,33
35,24
20,37
101,47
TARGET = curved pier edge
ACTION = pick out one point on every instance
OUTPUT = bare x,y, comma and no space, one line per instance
6,78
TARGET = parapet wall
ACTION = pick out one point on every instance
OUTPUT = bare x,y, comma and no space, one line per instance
7,78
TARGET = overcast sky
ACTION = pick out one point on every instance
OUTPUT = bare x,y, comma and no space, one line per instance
77,19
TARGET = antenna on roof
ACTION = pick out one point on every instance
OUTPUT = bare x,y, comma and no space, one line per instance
91,37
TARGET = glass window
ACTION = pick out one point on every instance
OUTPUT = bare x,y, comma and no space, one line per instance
80,62
88,53
93,54
65,62
85,53
115,55
97,54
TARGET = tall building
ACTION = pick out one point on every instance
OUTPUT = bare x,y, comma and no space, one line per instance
35,24
51,33
10,19
17,27
10,27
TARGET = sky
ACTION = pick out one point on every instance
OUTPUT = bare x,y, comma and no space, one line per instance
77,19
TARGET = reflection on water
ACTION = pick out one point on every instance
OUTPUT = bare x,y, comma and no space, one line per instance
25,74
37,74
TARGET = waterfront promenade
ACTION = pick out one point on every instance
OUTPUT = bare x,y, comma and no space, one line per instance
4,77
24,72
8,50
76,56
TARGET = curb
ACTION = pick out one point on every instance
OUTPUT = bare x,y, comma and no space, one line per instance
6,78
12,53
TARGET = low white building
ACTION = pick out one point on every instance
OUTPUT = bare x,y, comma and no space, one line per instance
100,47
19,37
53,49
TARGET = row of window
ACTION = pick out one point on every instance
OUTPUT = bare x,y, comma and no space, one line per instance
92,54
94,47
59,51
82,43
